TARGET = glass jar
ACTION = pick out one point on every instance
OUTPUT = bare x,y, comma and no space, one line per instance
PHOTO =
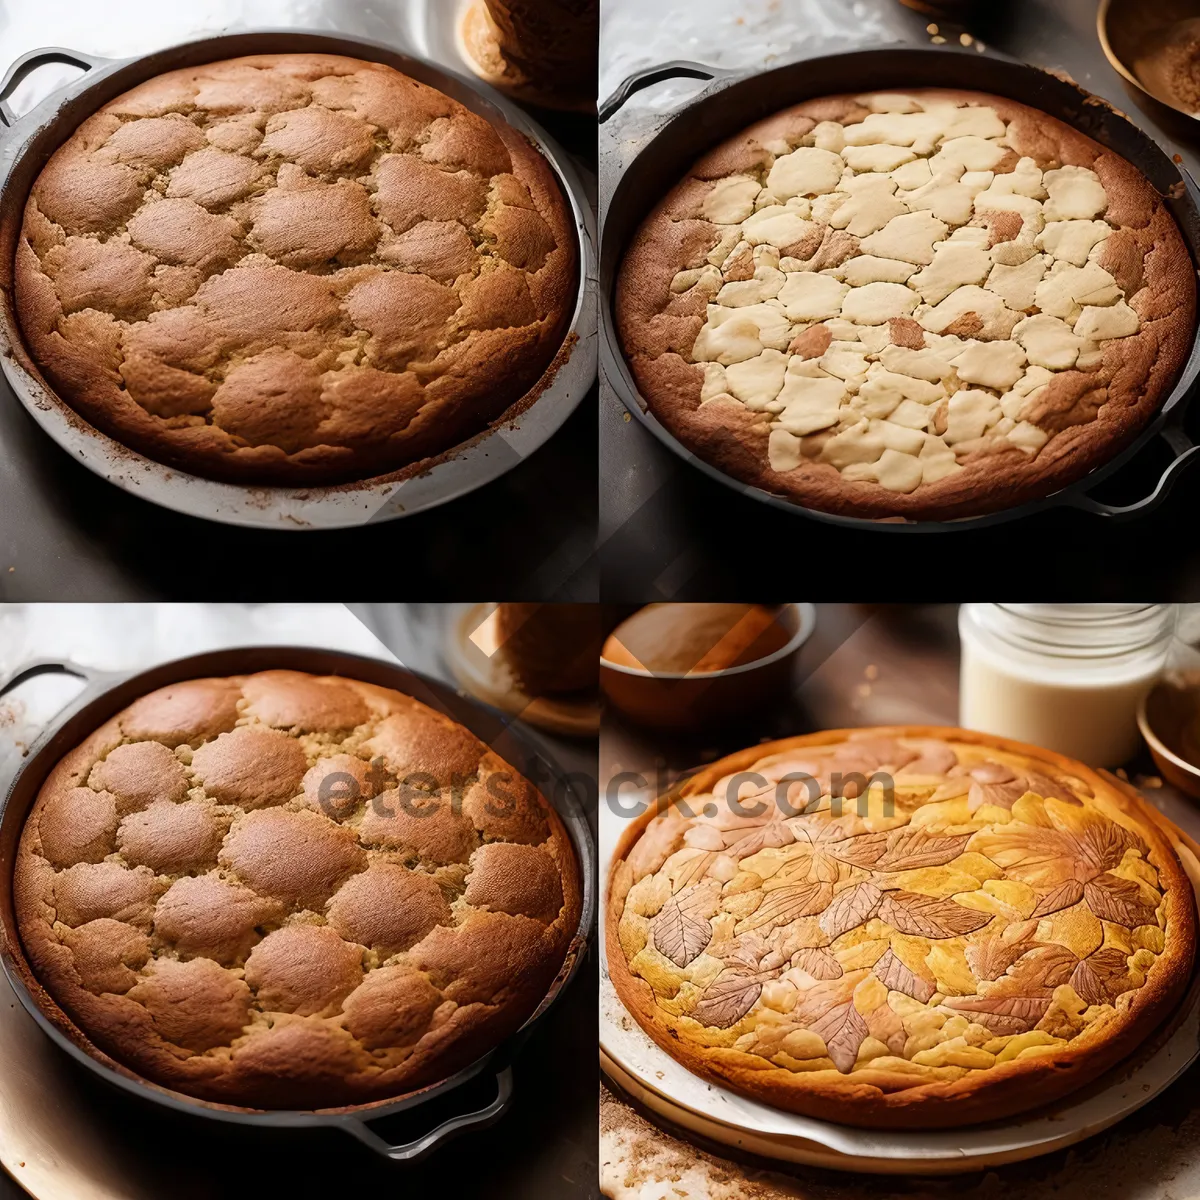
1068,677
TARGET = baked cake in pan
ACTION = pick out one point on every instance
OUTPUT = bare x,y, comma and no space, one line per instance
293,268
931,305
998,927
290,891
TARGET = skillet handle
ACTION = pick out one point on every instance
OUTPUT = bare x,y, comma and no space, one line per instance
28,63
679,69
1185,450
47,666
489,1114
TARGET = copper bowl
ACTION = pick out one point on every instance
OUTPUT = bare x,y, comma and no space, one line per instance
1129,31
682,701
1169,718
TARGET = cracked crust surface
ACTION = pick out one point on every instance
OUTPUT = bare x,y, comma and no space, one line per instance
938,397
293,269
291,891
1010,928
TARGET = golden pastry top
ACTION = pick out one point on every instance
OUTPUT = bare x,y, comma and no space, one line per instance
920,907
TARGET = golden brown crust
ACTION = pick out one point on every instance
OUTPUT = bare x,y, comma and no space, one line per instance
905,1093
1089,414
246,935
293,269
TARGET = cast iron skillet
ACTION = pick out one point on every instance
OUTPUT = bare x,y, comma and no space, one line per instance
28,142
732,100
107,694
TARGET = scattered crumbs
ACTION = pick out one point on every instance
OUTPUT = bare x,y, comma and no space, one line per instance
1122,775
938,40
931,28
864,689
1177,159
12,569
979,46
872,671
1150,781
627,416
965,38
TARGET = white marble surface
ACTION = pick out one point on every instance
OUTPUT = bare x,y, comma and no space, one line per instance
727,33
123,28
116,637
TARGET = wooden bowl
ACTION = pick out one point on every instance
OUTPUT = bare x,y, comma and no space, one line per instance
681,701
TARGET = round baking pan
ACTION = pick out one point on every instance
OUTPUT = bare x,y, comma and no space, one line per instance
644,1071
107,694
730,101
29,141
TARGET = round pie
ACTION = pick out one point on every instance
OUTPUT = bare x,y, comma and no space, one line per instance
934,304
899,927
291,891
293,269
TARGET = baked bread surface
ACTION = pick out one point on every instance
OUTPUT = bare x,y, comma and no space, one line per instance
1007,928
291,891
293,269
927,305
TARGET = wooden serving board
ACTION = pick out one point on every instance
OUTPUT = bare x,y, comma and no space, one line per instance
480,667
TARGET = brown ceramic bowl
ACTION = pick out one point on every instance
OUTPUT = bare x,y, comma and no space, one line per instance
1129,30
1169,718
682,701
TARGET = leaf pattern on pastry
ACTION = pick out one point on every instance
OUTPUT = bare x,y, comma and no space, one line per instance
1050,789
893,974
1002,1015
929,916
730,996
843,1031
909,848
1101,977
1042,858
786,904
999,948
995,784
682,929
818,962
831,843
850,908
938,942
1104,844
1118,900
1082,846
1067,893
863,850
694,870
769,834
1037,972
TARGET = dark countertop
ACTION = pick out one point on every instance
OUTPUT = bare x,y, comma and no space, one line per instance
665,527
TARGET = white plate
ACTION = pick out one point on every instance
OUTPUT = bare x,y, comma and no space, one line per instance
643,1069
